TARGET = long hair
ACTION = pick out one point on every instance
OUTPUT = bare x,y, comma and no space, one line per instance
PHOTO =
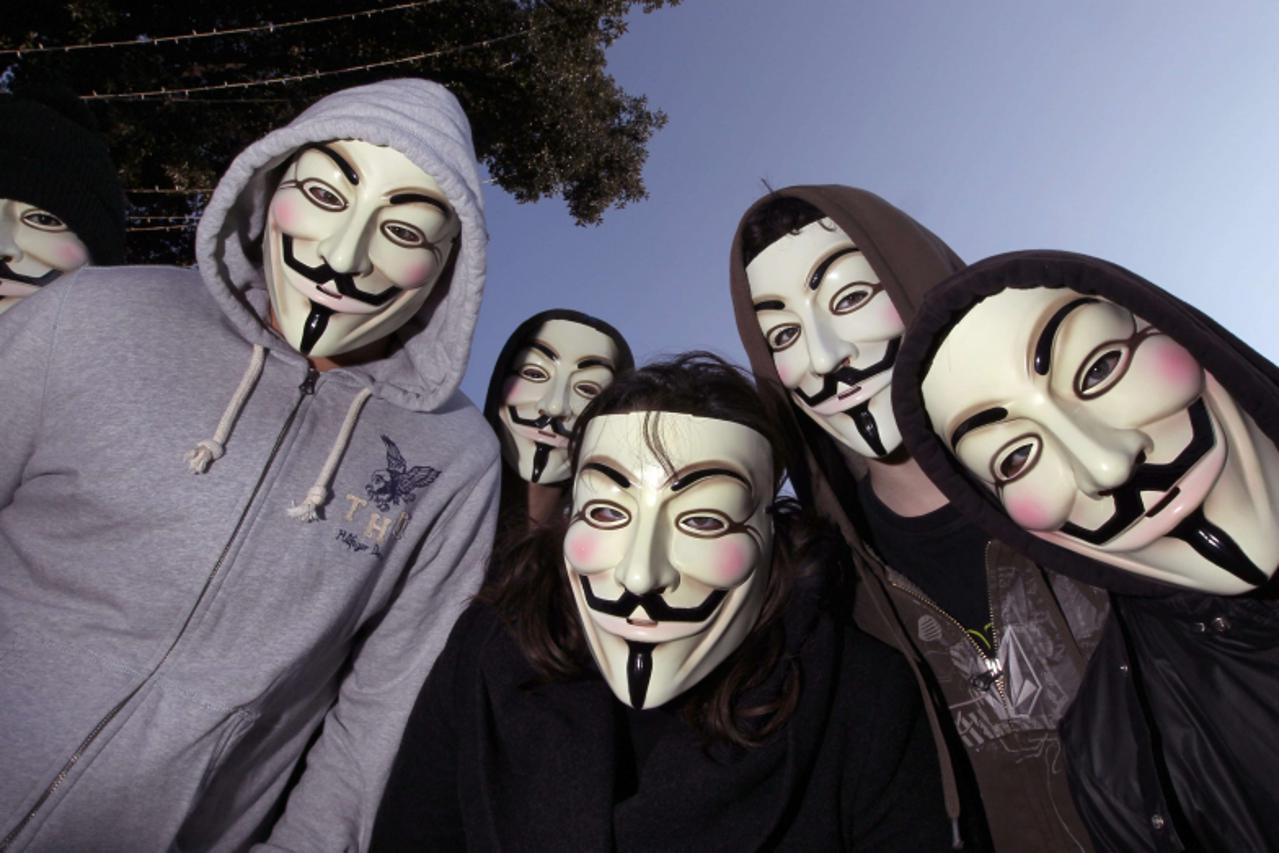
531,592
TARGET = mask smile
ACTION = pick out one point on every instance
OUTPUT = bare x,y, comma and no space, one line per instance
322,275
543,429
32,281
1181,485
659,623
830,399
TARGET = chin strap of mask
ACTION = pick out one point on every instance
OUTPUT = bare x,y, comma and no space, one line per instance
200,456
318,494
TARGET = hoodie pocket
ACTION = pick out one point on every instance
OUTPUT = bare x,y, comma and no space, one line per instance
144,774
52,695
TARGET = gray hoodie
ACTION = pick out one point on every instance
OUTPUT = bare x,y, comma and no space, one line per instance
185,664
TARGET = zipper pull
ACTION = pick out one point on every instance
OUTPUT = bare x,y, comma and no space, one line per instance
308,384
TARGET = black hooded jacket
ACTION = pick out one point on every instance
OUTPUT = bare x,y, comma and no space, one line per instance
493,758
1173,739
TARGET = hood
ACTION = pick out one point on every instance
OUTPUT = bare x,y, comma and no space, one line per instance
1246,375
423,121
908,258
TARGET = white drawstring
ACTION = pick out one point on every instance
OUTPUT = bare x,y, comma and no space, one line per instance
318,494
199,457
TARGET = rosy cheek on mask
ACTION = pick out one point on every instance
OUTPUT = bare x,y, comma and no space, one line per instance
888,317
732,558
510,390
786,373
415,274
285,211
1177,366
582,547
1029,513
71,256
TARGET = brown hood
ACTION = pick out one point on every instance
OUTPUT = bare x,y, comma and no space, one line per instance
908,258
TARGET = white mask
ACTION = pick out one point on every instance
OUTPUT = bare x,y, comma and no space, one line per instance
560,369
833,332
356,239
36,247
1102,435
668,565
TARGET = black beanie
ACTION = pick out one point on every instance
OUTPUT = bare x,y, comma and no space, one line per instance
53,159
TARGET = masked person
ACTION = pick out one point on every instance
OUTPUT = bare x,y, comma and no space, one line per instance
657,672
186,662
1119,436
61,205
824,279
551,366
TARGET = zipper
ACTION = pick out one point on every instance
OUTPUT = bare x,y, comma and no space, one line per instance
306,389
994,669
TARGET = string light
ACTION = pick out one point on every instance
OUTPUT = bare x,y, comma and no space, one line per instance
234,31
168,190
186,226
178,93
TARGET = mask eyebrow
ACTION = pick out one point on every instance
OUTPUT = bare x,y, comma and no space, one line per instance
685,480
545,349
347,169
985,417
608,471
815,278
595,361
410,198
770,305
1044,346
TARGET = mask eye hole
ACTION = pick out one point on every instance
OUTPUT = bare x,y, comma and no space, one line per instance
1016,459
605,515
1103,367
781,337
706,523
588,389
43,220
322,195
850,298
404,235
533,373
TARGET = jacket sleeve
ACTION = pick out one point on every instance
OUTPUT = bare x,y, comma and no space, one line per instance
27,333
893,780
335,801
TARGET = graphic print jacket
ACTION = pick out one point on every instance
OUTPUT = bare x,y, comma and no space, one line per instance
1003,728
183,665
1173,739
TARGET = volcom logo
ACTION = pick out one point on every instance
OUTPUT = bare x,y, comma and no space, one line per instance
395,485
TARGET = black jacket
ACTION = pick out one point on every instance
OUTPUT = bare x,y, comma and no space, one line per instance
493,760
1173,740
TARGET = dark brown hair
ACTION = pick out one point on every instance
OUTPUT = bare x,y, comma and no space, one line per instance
750,695
773,220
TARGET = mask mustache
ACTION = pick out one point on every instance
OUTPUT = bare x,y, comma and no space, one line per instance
541,422
654,605
849,376
1149,477
33,280
324,274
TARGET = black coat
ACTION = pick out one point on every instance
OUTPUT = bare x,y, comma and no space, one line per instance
1173,736
1173,739
491,760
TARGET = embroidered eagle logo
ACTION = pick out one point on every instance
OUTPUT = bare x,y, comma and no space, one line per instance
397,482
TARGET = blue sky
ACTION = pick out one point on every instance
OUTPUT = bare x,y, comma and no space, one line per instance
1146,133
